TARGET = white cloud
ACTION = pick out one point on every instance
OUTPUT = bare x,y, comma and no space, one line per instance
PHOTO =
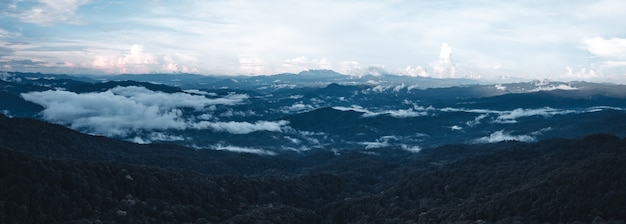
138,59
376,144
48,12
400,113
303,63
104,113
296,108
444,68
236,127
555,87
4,34
137,56
511,116
156,136
418,71
122,110
477,120
199,92
174,100
610,48
413,148
611,54
500,136
239,149
518,38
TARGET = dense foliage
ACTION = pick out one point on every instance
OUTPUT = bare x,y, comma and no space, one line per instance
50,174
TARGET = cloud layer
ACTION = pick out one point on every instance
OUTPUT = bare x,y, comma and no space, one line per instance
417,38
122,110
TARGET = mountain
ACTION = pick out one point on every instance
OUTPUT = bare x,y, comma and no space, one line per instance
316,109
49,173
104,86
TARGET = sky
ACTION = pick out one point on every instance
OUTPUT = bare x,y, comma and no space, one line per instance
488,40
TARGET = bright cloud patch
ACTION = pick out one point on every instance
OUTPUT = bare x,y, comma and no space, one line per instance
611,48
400,113
122,110
511,116
243,150
500,136
296,108
235,127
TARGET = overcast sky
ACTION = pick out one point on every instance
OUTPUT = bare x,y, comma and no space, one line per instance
470,38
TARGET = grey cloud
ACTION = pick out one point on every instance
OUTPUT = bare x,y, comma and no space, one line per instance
4,51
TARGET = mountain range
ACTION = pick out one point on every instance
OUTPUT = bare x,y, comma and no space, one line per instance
314,109
313,147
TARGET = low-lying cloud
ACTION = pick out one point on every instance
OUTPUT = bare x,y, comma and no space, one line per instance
500,136
399,113
122,110
236,127
239,149
512,116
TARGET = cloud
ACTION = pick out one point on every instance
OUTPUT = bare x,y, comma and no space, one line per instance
235,127
104,113
380,142
136,56
262,37
252,65
174,100
375,144
199,92
400,113
444,68
239,149
555,87
418,71
411,148
296,108
122,110
609,48
511,116
157,136
48,12
4,34
500,136
508,117
303,63
137,59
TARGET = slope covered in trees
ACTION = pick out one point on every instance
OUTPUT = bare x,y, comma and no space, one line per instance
50,174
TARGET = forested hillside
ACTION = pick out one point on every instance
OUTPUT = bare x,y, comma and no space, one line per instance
558,180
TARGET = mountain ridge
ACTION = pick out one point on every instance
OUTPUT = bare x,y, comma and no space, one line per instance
556,180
